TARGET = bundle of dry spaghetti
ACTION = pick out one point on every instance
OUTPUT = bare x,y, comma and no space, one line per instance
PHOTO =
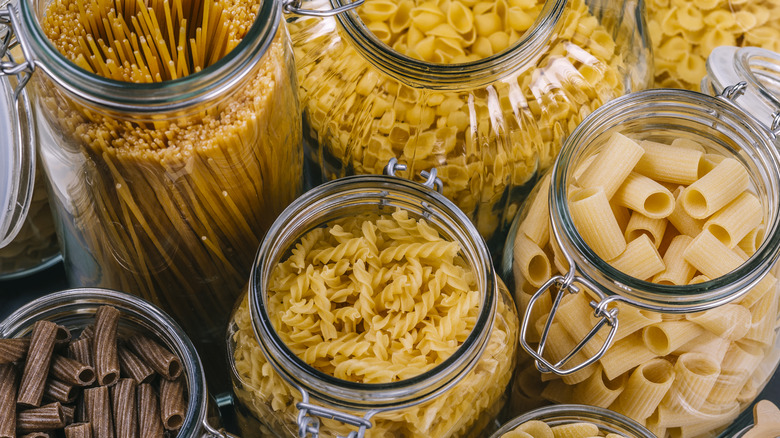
168,206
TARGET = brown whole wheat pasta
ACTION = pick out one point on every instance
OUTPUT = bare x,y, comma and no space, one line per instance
12,350
63,336
81,350
78,430
97,405
132,366
173,406
123,399
37,435
104,345
69,412
155,355
47,417
7,401
59,391
149,422
88,333
71,371
37,364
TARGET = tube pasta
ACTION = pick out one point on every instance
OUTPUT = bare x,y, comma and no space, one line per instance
612,165
640,259
36,366
730,321
735,220
594,220
7,401
695,375
640,224
714,190
677,270
531,261
641,194
646,387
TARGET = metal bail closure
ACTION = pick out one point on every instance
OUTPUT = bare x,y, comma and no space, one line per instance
775,127
294,7
431,180
605,315
17,141
309,418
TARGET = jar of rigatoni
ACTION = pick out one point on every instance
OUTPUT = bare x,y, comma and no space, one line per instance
483,91
644,264
572,421
373,310
78,330
170,134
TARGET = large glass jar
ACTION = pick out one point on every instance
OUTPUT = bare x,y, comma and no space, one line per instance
285,388
75,309
488,125
606,421
165,189
683,354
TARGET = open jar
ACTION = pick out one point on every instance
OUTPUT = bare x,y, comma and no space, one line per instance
599,420
653,350
75,310
163,175
489,125
396,348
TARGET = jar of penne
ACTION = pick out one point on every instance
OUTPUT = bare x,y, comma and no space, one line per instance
96,362
483,91
644,264
170,133
572,421
373,310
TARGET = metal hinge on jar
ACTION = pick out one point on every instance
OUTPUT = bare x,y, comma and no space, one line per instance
732,92
294,7
9,17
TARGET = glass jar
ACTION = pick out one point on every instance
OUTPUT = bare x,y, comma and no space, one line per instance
488,126
164,189
281,394
75,309
703,383
684,33
558,415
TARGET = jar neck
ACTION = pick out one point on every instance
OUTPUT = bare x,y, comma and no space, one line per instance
417,73
76,308
608,421
349,197
644,114
148,98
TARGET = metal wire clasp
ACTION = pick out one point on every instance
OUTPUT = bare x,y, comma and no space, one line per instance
431,180
309,418
22,70
294,7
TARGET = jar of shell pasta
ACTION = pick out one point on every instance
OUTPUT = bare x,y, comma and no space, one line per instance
170,133
645,264
483,91
373,310
573,421
74,313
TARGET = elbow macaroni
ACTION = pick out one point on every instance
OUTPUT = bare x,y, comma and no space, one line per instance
679,376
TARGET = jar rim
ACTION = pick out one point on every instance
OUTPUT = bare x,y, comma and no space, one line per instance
344,393
147,98
644,294
20,320
415,72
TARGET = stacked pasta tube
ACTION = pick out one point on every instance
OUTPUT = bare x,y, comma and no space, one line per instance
672,214
540,429
100,385
376,299
486,141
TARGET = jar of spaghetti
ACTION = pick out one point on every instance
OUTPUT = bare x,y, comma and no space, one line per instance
75,327
645,264
170,134
572,420
373,310
483,91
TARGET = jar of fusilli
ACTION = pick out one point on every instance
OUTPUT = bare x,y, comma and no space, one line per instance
372,310
572,421
483,91
645,264
170,133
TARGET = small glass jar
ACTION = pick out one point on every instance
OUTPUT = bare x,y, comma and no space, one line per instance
595,367
75,309
558,415
164,189
489,126
280,394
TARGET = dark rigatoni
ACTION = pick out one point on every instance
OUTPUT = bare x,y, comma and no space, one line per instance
12,350
97,404
71,371
88,333
123,399
173,405
7,401
37,365
78,430
158,357
63,337
57,391
69,411
133,367
37,435
81,350
104,345
149,422
48,417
